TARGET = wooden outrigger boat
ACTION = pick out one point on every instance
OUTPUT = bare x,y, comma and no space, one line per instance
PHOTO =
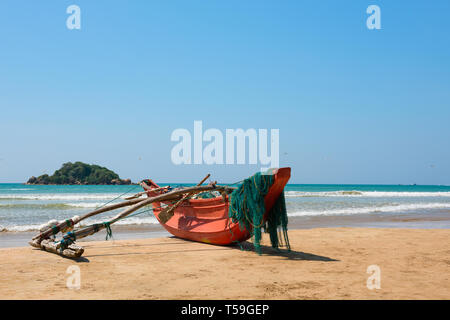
204,220
207,220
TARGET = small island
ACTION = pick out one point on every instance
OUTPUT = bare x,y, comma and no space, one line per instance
80,173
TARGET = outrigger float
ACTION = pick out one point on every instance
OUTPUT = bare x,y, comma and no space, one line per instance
211,213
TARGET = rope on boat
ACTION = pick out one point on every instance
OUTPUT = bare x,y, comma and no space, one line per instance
67,240
108,230
134,187
70,237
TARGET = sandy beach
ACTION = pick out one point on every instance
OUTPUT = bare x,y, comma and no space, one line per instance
325,263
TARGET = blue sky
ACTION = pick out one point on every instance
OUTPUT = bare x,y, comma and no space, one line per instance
352,105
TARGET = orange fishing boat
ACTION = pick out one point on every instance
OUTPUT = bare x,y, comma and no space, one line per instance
207,220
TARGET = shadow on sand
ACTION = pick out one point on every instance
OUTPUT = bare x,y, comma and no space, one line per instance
79,259
244,246
290,255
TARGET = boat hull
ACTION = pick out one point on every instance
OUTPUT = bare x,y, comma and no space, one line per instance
206,220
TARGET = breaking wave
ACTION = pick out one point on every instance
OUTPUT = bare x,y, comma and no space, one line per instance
373,209
130,221
50,206
64,197
354,193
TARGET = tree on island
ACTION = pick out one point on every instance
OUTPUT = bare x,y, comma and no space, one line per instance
80,173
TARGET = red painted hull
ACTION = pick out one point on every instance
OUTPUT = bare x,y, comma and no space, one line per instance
206,220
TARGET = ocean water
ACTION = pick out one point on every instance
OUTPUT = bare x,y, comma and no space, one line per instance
26,208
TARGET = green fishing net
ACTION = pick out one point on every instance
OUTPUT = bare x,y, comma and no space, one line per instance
247,208
206,195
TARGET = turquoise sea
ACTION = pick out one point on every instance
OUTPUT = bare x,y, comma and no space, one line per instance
27,207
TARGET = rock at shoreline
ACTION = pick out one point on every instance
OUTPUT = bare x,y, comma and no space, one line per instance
121,182
80,173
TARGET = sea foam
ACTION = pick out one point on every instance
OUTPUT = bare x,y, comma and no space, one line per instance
63,196
371,209
354,193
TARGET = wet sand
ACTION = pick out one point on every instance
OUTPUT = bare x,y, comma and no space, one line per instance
439,220
325,263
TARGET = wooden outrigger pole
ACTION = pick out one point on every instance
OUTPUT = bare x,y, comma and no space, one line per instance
167,213
72,222
67,247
